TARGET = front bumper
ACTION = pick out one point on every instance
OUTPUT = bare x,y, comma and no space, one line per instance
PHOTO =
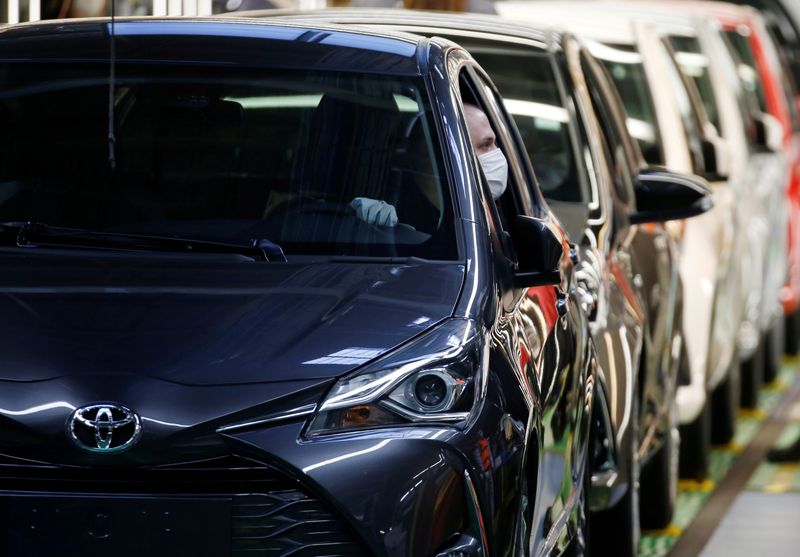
403,496
407,491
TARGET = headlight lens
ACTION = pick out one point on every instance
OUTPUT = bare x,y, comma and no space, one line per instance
437,378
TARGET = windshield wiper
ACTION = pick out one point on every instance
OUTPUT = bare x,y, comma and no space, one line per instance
33,234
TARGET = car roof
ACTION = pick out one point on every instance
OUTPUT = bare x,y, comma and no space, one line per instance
666,15
612,26
478,25
708,6
219,40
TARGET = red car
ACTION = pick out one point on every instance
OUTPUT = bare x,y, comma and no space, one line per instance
747,33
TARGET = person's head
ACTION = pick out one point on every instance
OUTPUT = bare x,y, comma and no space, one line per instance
484,141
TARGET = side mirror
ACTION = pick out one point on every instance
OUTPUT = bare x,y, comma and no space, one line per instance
539,250
663,196
769,132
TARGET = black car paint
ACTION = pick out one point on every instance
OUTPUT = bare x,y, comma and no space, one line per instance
209,383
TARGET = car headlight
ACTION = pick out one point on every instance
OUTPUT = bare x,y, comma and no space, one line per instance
439,377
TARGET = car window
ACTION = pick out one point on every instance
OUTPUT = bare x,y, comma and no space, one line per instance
626,67
615,144
527,82
786,79
695,64
687,109
226,155
748,70
746,100
515,199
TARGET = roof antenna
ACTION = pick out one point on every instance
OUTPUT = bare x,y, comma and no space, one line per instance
112,159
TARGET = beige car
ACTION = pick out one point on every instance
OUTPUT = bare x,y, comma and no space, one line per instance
675,132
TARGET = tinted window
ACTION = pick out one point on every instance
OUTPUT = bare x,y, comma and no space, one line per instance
233,157
627,70
530,93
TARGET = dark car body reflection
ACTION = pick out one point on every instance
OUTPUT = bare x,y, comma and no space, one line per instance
281,404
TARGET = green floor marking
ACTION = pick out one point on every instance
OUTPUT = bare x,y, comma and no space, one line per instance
746,429
654,546
778,478
789,434
692,495
687,506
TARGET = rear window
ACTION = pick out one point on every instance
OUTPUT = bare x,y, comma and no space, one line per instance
226,155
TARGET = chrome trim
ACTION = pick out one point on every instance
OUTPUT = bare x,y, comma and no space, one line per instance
100,418
419,417
298,412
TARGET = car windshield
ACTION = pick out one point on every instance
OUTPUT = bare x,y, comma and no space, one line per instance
299,158
527,82
627,70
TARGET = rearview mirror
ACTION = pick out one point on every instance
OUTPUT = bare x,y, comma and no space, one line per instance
539,250
663,196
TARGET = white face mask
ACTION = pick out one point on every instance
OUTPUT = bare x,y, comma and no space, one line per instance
495,167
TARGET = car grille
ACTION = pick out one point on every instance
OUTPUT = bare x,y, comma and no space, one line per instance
287,523
272,515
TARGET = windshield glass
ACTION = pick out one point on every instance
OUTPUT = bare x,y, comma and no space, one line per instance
627,70
528,85
317,162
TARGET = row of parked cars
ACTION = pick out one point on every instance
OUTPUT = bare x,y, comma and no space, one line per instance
386,282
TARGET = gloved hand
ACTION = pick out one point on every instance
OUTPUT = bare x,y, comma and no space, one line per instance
374,211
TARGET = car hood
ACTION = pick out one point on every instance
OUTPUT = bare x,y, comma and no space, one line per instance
192,348
212,324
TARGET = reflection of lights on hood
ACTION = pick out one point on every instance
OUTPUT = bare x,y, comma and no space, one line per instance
159,422
40,408
537,110
611,54
641,130
347,357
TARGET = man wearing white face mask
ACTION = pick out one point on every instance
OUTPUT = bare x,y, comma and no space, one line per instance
491,158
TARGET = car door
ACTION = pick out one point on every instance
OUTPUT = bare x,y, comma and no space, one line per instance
561,366
652,261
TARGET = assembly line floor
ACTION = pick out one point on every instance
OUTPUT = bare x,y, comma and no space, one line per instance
748,507
765,517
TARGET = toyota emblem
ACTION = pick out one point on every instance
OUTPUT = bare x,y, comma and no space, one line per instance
104,428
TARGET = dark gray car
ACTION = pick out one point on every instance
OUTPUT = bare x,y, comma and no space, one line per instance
588,168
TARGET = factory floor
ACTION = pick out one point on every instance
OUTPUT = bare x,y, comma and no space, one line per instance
747,507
